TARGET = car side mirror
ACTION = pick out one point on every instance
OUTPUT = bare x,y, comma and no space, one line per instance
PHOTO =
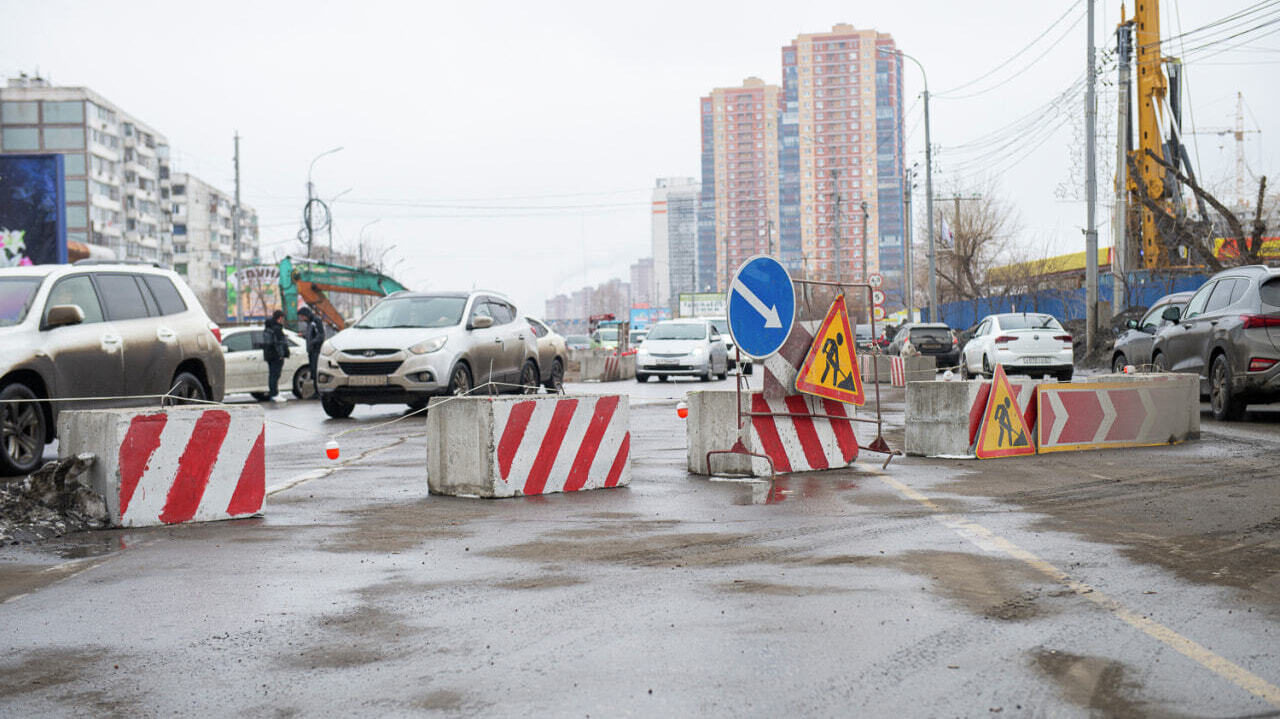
1171,314
61,315
1131,324
481,322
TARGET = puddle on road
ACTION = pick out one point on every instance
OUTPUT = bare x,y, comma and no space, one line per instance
787,489
995,588
51,670
1098,684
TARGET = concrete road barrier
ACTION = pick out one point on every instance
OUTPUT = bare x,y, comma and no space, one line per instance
898,371
942,418
608,367
1119,411
180,464
802,434
521,445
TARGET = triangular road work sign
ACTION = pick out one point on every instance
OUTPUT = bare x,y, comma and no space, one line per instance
1004,432
831,369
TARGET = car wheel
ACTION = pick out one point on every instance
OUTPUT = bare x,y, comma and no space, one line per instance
303,387
705,376
987,371
418,406
22,431
528,378
1119,362
965,374
723,375
662,378
260,396
641,377
185,388
555,383
1224,404
1160,363
460,381
336,408
1065,375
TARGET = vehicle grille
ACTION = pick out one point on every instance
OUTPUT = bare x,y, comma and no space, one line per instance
668,354
363,353
370,367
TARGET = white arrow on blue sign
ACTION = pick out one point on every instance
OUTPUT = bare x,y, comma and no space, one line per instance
761,306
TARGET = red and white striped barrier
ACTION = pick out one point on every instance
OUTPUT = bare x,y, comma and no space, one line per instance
782,367
181,464
506,447
1158,409
798,441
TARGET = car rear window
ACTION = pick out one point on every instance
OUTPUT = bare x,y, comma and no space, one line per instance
167,296
1029,322
929,334
1270,292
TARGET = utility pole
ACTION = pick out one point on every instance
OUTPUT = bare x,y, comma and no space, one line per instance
1090,193
835,224
908,271
235,227
865,216
928,199
1120,231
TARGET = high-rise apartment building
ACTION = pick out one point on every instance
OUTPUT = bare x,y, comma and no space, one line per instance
739,216
675,241
841,155
116,167
204,239
642,283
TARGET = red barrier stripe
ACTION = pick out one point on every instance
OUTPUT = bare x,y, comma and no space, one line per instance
977,411
805,431
1084,414
605,407
1129,415
620,461
140,442
768,434
541,469
195,466
512,434
843,430
252,486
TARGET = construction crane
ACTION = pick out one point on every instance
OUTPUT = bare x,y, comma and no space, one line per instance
310,280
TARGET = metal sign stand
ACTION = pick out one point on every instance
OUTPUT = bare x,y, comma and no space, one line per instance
878,445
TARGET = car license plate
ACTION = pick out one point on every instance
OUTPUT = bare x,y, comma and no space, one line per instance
668,362
1035,360
930,346
367,380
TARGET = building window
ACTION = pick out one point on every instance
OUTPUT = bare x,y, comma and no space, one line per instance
77,191
19,138
77,216
73,164
179,230
63,138
13,113
180,268
178,190
64,112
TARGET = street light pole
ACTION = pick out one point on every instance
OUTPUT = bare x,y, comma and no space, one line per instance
329,224
928,188
306,213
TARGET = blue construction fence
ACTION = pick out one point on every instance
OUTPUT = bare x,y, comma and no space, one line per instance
1144,289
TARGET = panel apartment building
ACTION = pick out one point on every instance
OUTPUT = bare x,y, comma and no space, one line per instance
204,239
674,239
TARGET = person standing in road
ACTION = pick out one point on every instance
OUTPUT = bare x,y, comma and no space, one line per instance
313,334
275,348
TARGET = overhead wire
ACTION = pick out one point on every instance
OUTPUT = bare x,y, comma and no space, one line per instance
1012,57
1023,70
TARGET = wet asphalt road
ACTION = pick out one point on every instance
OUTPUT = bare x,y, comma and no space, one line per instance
1122,583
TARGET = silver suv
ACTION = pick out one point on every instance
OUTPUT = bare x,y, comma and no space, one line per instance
413,345
96,331
1229,335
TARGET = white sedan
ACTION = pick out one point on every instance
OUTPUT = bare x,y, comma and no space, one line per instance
1029,343
247,370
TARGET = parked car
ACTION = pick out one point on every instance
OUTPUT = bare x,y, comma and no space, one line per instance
1228,334
1133,346
552,352
247,370
636,337
577,342
1029,343
412,345
690,347
933,339
107,331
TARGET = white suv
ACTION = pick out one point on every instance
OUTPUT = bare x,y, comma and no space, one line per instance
412,345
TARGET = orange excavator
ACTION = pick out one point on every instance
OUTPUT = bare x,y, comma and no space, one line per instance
309,280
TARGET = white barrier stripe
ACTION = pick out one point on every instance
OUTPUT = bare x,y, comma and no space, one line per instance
609,445
571,443
534,434
1108,416
153,486
240,440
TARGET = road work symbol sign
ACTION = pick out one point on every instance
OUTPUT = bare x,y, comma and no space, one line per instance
1004,432
761,306
831,369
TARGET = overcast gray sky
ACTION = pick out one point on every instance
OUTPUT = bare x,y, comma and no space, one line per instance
456,117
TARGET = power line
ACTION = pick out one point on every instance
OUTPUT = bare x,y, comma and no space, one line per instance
1231,19
948,94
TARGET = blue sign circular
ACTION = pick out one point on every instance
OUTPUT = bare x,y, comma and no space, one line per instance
761,306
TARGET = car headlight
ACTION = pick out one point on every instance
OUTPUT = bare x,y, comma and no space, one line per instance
428,346
698,352
327,348
642,352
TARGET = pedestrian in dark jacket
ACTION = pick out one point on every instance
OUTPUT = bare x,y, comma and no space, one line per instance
313,334
275,348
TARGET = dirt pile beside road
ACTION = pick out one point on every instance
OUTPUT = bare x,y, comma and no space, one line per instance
1107,334
54,500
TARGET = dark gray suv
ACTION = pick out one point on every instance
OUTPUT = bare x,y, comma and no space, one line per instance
1229,335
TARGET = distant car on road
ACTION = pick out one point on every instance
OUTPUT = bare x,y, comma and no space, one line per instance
577,342
1133,346
1029,343
552,354
96,330
932,339
636,337
605,338
1228,334
690,347
412,345
247,370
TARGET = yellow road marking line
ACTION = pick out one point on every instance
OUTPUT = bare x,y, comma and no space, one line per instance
1194,651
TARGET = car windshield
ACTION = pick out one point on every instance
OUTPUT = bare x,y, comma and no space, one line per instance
414,312
1029,322
16,294
608,335
681,331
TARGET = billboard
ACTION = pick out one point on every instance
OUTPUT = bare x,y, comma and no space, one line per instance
33,210
702,304
253,292
643,317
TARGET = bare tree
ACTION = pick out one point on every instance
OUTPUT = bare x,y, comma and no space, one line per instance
982,230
